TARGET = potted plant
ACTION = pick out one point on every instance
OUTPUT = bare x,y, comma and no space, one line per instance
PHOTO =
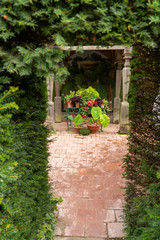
104,104
68,97
76,100
98,118
97,102
77,121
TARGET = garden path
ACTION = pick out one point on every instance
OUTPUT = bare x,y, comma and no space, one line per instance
85,171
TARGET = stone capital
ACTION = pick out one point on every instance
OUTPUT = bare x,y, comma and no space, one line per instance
127,56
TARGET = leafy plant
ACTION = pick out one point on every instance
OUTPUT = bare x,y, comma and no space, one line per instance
84,131
53,131
68,97
75,99
78,120
98,102
98,117
89,93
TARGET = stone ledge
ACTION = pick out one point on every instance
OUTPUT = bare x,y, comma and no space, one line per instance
85,238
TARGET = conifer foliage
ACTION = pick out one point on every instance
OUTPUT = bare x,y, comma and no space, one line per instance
26,204
31,34
142,163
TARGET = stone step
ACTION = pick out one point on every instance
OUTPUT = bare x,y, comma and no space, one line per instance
84,238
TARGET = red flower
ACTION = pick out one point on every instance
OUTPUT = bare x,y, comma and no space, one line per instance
5,16
84,116
74,115
95,103
87,108
94,39
89,103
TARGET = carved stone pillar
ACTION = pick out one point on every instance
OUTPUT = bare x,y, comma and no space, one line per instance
117,100
124,118
50,110
58,104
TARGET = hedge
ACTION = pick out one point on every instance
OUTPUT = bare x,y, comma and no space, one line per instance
142,163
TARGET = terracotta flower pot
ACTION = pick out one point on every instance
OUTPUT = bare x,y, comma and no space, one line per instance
77,104
69,104
93,128
77,129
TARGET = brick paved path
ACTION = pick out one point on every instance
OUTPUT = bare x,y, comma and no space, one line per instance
86,173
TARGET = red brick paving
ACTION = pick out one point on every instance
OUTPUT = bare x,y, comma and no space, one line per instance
86,172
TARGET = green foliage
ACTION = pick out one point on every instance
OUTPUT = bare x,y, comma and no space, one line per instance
31,33
3,97
66,88
78,120
103,93
53,131
99,116
142,161
26,205
89,93
148,219
32,100
69,96
96,111
84,131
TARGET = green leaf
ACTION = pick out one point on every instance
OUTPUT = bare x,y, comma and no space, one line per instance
78,120
104,120
96,111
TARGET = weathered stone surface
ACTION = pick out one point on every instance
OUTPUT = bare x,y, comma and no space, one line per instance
57,86
115,230
50,110
110,216
119,215
58,109
124,118
116,110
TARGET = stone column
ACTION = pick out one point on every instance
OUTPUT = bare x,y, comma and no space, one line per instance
50,110
124,118
117,100
58,104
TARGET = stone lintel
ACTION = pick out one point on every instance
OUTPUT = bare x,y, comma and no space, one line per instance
90,48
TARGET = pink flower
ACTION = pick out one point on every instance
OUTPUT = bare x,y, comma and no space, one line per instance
95,103
87,108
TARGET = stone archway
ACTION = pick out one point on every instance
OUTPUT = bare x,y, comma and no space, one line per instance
120,55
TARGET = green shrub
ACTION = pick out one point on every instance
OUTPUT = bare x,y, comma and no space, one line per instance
26,204
89,93
84,131
142,161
